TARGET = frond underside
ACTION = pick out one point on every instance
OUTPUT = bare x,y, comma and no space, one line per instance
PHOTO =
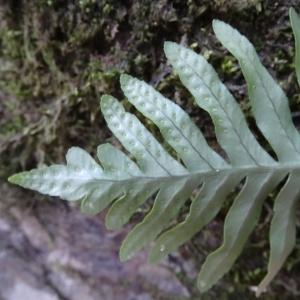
124,184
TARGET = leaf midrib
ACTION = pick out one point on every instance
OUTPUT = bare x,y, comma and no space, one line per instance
244,170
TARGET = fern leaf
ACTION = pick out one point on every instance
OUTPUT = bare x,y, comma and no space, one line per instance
123,183
174,124
265,95
202,81
295,22
150,155
203,209
283,228
211,94
239,223
166,207
112,159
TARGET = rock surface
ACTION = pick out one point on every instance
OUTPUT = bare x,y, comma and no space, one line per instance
49,251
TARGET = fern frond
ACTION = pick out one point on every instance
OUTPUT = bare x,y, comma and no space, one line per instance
123,183
295,22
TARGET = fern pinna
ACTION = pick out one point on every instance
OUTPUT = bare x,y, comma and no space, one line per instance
125,184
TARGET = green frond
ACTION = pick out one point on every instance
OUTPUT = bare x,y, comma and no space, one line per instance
123,183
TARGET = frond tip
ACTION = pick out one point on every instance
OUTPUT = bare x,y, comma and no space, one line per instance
124,182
